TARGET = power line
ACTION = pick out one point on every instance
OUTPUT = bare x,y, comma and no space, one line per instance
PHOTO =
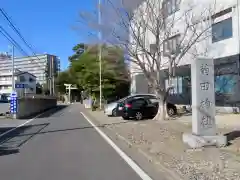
17,30
11,40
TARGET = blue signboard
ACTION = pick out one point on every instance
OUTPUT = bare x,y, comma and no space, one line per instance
13,103
20,86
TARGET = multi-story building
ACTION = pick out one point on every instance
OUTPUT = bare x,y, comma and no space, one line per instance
222,43
45,67
20,78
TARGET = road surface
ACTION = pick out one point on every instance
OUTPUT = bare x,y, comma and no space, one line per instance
61,146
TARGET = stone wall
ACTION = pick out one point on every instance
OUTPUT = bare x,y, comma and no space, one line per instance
33,105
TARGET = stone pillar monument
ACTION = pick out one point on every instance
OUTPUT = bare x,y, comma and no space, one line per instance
204,131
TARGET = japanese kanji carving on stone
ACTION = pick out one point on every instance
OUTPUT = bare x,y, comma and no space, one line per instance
204,86
204,69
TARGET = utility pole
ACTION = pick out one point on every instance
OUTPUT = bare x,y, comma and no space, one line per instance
13,64
50,77
53,76
100,52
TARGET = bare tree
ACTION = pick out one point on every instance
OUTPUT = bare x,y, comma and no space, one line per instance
157,35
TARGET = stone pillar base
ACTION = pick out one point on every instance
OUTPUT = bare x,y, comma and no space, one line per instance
195,141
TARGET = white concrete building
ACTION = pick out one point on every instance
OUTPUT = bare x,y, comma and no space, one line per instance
45,67
28,79
223,41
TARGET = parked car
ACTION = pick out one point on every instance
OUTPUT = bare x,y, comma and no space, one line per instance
139,108
4,98
171,108
112,108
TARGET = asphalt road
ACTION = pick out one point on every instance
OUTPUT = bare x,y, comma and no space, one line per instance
61,146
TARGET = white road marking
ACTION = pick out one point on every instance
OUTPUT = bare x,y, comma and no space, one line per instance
21,125
125,157
13,129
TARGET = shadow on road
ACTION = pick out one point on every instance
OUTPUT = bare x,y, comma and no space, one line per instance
71,129
47,113
53,112
4,152
4,129
232,136
10,142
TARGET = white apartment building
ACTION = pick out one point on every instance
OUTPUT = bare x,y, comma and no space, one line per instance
223,42
43,66
25,78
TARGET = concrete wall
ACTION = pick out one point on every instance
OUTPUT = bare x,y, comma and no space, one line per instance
33,105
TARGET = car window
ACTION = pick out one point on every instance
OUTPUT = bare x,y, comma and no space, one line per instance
138,102
121,100
130,98
148,101
124,99
153,100
149,96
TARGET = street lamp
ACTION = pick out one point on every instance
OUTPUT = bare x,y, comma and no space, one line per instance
13,68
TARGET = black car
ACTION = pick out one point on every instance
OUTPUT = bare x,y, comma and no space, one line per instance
139,108
121,102
171,108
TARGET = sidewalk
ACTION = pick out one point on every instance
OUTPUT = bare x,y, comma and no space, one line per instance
161,143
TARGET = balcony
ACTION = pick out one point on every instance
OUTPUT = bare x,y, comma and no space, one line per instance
5,82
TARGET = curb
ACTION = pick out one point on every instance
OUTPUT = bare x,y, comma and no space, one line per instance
149,158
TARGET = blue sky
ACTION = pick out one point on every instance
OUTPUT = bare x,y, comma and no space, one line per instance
48,25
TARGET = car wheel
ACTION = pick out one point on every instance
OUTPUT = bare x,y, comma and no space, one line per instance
114,112
138,116
171,111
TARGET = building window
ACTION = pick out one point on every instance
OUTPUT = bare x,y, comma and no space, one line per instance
225,84
180,85
31,79
177,85
170,7
5,87
22,78
222,30
171,45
